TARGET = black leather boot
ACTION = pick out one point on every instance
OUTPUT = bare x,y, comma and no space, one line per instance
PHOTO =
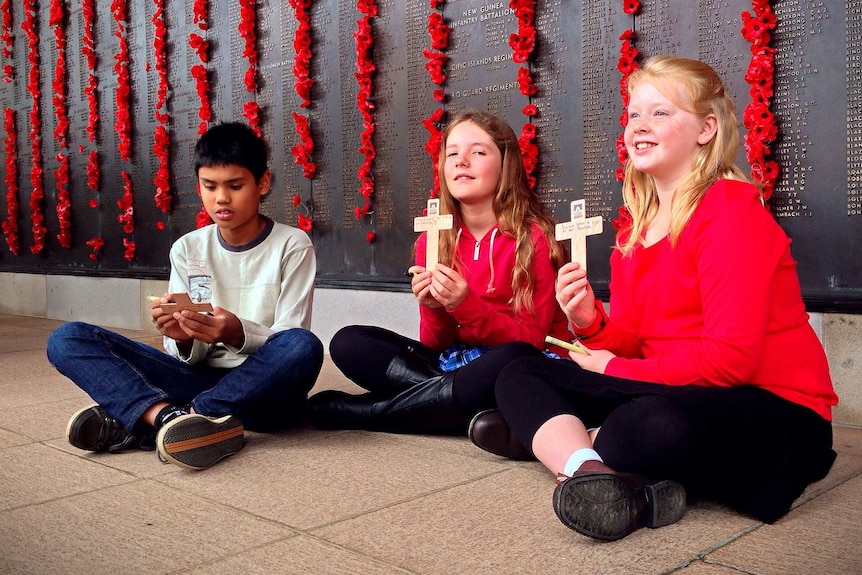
427,408
405,370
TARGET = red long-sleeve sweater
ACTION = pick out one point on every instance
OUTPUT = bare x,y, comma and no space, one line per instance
486,317
723,307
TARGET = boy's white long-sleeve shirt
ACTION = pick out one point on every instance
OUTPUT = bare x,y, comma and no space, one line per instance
268,284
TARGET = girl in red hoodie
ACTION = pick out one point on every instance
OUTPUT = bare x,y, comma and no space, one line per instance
489,300
706,373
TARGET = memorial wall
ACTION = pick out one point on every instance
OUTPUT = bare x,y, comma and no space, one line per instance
117,227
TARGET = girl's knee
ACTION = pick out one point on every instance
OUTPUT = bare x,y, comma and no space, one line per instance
510,382
648,431
340,339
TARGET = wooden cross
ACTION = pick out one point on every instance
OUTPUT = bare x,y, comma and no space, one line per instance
183,301
432,223
577,230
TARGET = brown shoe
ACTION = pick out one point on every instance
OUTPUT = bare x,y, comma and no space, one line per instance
600,503
489,431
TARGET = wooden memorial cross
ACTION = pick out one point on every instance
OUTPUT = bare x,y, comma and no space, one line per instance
183,301
432,223
577,230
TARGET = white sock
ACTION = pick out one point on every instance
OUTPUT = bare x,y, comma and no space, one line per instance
577,458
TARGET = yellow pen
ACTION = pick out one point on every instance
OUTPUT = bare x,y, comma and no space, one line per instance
572,346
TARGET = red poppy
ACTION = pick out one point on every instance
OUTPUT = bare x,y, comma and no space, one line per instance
96,245
624,219
127,205
435,66
129,249
200,9
525,82
439,31
304,222
93,171
37,218
10,146
364,41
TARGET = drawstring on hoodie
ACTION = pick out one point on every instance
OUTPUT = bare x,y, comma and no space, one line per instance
490,288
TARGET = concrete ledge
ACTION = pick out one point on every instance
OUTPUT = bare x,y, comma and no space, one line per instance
121,303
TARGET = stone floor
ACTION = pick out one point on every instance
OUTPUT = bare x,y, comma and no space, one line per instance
316,502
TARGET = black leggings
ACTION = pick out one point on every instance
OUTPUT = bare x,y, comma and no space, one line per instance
363,354
742,446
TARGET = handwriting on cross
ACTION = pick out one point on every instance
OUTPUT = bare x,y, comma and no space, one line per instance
577,230
432,223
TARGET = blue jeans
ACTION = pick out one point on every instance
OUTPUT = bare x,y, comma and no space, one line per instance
267,391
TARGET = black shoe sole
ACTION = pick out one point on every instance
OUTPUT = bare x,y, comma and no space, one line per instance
605,507
602,506
665,503
197,442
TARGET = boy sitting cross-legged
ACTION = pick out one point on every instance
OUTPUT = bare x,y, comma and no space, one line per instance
250,363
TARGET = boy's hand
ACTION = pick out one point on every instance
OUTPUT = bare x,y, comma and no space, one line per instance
165,322
421,286
220,327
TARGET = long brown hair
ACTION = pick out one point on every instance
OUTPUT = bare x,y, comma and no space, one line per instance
696,88
515,206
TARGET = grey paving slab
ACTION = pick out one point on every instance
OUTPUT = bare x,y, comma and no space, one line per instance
138,528
136,462
43,421
300,555
11,439
699,567
313,483
505,523
35,473
823,537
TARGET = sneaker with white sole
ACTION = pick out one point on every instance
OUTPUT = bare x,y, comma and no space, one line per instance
196,441
92,429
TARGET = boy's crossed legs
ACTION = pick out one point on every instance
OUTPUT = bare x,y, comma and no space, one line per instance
193,415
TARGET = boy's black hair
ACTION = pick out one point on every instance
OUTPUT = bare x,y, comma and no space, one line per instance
232,144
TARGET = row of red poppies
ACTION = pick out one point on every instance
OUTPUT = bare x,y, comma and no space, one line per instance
757,118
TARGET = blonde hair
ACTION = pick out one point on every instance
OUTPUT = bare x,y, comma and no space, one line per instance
515,206
696,88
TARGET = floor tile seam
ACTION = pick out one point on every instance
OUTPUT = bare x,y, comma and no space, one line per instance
216,561
702,556
37,404
219,503
5,351
311,529
357,553
815,493
75,494
97,461
847,425
731,566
